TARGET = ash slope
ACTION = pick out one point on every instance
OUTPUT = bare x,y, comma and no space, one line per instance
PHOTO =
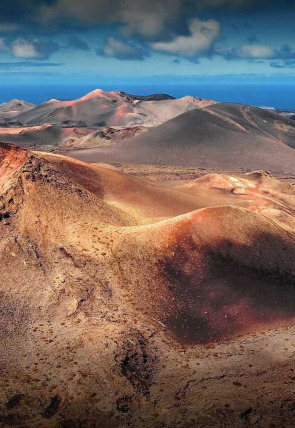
221,135
115,285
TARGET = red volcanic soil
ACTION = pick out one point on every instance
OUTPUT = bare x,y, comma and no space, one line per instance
11,158
125,303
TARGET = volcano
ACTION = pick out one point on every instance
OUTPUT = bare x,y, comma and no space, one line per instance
125,300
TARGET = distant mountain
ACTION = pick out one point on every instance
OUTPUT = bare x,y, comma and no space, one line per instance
14,107
223,135
99,108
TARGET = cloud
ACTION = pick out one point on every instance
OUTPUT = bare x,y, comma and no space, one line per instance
138,14
202,36
277,65
22,48
77,43
33,48
255,51
121,50
247,51
285,58
8,28
289,63
253,39
3,45
22,64
279,58
146,18
286,53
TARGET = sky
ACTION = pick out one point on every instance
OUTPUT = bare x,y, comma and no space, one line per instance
178,41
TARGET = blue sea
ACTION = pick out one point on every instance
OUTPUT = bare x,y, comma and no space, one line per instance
280,96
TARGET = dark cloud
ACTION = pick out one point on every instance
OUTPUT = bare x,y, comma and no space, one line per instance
235,28
146,17
150,19
277,65
284,64
253,39
77,43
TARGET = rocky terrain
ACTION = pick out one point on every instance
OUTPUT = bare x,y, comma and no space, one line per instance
137,303
55,138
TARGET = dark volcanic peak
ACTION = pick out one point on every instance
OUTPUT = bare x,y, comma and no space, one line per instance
153,97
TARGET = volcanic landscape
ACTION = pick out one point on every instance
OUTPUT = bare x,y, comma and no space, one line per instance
147,263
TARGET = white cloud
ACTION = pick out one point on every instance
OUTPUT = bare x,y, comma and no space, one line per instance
248,51
256,51
32,48
202,36
22,48
120,50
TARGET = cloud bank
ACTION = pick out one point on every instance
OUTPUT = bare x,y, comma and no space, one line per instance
134,30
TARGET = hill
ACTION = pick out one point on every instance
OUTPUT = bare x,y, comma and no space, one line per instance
221,135
14,107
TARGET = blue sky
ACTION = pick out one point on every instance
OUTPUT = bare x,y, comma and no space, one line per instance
73,41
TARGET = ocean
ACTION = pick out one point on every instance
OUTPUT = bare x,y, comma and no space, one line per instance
280,96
